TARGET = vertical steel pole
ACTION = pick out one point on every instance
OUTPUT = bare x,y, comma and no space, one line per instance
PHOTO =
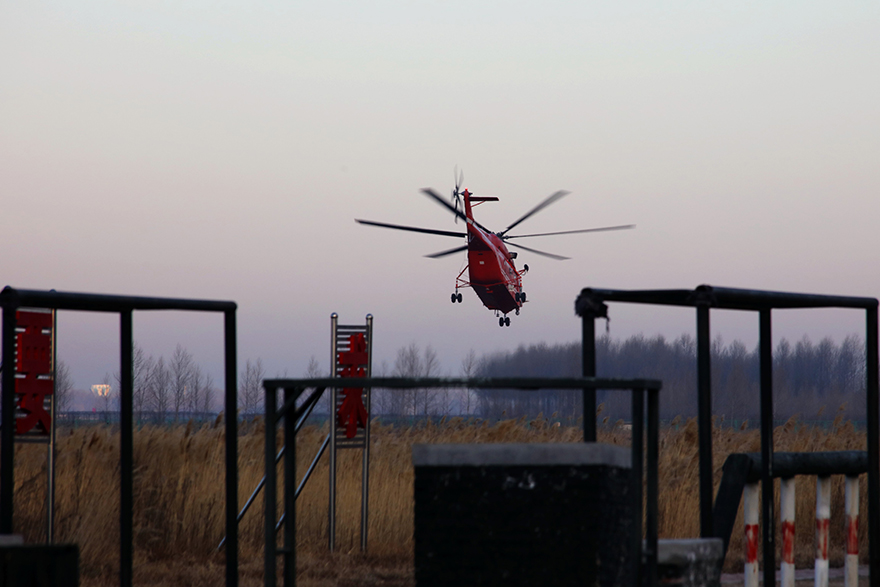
768,520
53,418
704,419
588,350
873,401
638,431
751,517
230,353
270,492
126,442
652,474
851,502
290,487
786,512
823,526
331,528
7,432
365,487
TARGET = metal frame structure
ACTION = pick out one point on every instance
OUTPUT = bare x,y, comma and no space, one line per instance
11,299
742,473
48,438
339,340
290,414
590,305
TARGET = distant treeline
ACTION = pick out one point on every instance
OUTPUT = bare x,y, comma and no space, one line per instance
812,380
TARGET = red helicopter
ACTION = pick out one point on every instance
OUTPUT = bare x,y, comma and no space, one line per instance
491,270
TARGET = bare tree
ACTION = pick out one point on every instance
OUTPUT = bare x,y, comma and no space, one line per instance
411,363
108,397
159,389
199,394
141,367
249,387
407,364
469,366
383,399
182,366
206,400
63,387
314,371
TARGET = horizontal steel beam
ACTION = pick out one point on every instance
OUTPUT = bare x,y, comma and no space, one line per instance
726,298
58,300
525,383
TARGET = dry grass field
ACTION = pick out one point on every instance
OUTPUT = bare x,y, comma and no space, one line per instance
179,496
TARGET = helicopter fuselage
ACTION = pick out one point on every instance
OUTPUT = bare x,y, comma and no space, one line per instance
491,270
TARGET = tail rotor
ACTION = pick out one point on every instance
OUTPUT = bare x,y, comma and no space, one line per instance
458,176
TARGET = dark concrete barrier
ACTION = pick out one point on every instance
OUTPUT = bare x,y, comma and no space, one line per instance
690,562
39,565
522,514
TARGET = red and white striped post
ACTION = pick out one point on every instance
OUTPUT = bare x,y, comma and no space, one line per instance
851,564
752,532
823,523
786,498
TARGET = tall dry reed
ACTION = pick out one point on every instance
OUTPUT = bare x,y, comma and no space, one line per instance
179,487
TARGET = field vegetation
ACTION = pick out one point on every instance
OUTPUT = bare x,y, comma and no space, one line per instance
179,495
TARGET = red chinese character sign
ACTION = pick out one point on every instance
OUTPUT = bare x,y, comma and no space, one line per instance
34,375
352,414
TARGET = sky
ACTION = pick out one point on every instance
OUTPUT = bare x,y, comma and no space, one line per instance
221,150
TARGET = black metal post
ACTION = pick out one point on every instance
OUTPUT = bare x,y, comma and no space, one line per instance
638,432
652,474
768,519
290,396
704,419
270,495
7,440
588,349
873,401
231,409
126,448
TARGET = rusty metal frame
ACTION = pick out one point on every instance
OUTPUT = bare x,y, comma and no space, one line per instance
644,459
11,299
591,304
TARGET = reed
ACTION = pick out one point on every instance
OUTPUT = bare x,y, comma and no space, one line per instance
179,494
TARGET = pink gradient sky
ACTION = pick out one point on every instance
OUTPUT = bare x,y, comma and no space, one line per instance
222,150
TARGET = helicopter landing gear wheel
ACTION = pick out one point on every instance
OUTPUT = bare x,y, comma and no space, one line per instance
522,296
517,311
453,298
507,320
501,322
458,297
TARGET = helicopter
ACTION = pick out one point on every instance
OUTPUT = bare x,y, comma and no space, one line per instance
492,273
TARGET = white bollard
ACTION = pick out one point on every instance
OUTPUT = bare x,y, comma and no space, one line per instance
752,532
786,507
851,566
823,521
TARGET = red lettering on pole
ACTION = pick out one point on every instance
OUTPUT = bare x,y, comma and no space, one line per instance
352,413
787,542
34,369
751,543
852,535
822,527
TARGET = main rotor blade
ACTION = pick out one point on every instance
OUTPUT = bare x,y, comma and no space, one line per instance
449,252
432,194
547,201
537,252
601,229
412,228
